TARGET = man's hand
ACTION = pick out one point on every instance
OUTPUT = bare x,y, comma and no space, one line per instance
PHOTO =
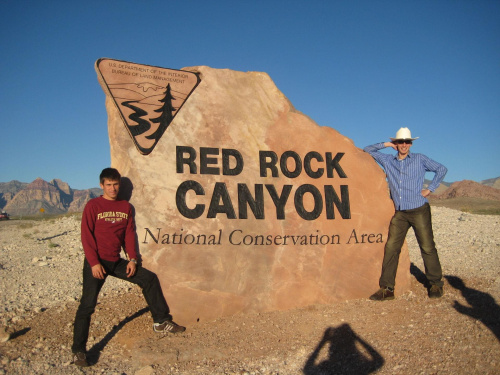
98,271
390,144
425,193
131,268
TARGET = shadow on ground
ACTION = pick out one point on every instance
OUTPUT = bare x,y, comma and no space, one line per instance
419,275
94,352
16,334
482,305
347,354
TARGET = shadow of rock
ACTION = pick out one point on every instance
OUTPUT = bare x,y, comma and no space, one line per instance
19,333
347,354
94,352
52,237
483,305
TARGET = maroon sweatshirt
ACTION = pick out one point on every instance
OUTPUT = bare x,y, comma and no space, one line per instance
107,225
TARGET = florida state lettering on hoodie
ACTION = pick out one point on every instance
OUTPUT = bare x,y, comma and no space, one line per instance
106,225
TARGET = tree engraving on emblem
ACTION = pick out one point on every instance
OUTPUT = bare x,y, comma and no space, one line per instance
144,125
166,114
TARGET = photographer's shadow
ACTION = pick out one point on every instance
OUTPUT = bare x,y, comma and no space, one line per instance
347,354
483,305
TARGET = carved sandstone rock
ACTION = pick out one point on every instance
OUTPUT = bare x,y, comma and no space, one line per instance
321,244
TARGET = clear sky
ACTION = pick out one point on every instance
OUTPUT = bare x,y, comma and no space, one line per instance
365,68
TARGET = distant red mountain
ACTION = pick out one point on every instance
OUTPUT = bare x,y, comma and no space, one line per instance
471,189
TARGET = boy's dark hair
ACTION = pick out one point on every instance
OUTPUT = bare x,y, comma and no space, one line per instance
109,174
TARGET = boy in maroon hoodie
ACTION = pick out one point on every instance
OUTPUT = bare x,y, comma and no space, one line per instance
107,226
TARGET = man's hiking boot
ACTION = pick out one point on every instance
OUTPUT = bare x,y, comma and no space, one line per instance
436,291
168,326
80,359
383,294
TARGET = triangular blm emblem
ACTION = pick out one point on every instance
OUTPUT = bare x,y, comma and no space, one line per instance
147,97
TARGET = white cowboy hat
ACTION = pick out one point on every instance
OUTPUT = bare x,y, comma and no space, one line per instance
403,133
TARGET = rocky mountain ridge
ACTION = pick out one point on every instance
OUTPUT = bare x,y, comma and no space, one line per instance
470,189
54,197
57,197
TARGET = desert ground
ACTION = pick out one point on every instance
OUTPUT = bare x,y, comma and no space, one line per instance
40,280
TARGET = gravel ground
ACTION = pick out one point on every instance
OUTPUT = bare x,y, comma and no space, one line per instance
40,269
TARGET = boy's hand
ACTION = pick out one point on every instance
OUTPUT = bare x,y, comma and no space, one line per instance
98,271
131,268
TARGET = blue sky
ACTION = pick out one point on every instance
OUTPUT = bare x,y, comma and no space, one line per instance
365,68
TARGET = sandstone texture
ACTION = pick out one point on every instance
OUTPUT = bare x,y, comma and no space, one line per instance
40,279
334,259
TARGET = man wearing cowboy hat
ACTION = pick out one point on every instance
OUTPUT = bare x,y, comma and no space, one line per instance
405,173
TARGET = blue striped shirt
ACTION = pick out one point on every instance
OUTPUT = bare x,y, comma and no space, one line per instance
406,177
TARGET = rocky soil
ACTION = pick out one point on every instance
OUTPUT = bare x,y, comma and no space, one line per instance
40,281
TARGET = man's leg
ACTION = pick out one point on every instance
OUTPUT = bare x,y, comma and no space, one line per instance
90,292
151,289
421,222
397,233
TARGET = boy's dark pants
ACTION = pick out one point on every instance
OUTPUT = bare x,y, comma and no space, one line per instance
147,280
420,220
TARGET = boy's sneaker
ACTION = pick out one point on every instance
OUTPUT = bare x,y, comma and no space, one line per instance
383,294
80,359
168,326
436,291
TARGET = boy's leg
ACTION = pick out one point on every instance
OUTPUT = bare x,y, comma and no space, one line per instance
151,289
90,292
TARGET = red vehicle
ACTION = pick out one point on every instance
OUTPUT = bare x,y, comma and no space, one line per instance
4,215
